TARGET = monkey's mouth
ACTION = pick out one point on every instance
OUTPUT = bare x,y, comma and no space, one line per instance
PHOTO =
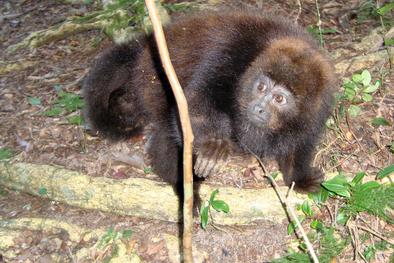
259,120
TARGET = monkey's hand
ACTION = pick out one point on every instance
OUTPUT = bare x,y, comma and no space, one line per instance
308,182
211,155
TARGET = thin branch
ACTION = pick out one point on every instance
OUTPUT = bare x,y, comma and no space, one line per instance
290,211
375,233
299,10
186,130
319,24
294,218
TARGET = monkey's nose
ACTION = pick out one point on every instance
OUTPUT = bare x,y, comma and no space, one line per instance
258,109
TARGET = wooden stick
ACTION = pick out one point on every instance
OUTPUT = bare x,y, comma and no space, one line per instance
186,130
293,217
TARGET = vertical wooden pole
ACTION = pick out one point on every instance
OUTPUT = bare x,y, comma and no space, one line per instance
186,130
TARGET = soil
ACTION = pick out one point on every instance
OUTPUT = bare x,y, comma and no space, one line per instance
33,137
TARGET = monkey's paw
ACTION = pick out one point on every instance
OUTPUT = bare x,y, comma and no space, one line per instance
211,156
310,183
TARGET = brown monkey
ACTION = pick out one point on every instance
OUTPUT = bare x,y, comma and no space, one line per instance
252,81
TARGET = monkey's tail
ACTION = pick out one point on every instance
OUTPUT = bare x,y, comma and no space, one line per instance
113,104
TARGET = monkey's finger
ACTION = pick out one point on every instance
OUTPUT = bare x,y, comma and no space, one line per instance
206,151
212,161
197,165
202,168
209,169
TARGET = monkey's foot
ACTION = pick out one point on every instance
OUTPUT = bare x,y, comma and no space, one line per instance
211,156
308,183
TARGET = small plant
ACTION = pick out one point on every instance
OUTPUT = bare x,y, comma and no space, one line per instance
314,31
369,10
379,121
34,101
42,191
148,170
129,15
385,172
357,90
356,197
218,205
5,154
109,242
66,103
370,252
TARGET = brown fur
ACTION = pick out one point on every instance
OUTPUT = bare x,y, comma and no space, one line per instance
217,58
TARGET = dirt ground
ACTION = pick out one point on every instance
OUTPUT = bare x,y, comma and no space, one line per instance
52,140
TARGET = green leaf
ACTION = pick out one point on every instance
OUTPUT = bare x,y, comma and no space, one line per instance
42,191
70,101
5,153
148,170
368,186
306,208
292,225
389,42
354,110
213,195
372,88
329,30
204,216
338,185
318,225
385,9
357,78
126,234
341,111
366,97
34,101
379,121
58,87
303,247
337,189
75,120
342,218
275,174
369,253
53,112
350,93
290,228
220,206
348,84
366,77
358,178
392,147
385,172
319,197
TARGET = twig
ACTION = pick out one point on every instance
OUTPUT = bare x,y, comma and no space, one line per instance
186,130
352,236
290,211
299,10
331,215
375,233
324,149
319,24
294,218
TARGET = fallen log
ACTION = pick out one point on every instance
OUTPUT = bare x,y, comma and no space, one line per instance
138,196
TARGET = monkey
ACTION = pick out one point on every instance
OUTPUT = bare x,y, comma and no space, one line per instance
253,82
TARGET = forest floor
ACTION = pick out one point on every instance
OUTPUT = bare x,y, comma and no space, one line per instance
27,95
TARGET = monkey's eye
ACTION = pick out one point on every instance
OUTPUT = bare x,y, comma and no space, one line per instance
279,99
262,87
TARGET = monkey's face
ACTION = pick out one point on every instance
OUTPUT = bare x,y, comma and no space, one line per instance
269,104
